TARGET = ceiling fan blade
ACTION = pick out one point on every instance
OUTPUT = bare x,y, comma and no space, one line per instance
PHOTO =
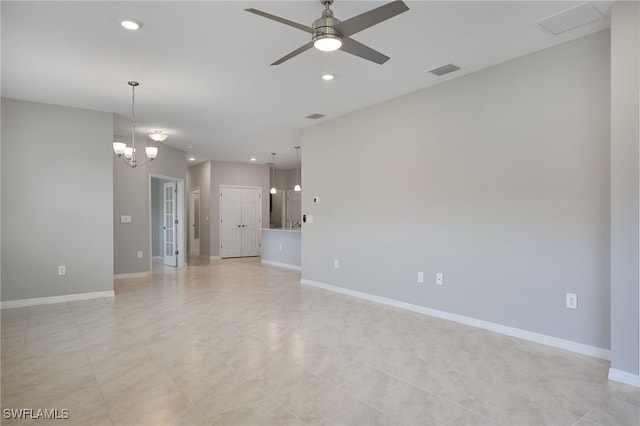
349,45
367,19
294,53
281,20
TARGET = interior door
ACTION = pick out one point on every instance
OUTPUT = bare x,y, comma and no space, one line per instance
230,222
251,221
240,221
169,223
194,232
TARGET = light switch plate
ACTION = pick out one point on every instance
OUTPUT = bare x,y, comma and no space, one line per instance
125,219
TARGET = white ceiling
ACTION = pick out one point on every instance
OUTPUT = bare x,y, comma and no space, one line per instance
204,70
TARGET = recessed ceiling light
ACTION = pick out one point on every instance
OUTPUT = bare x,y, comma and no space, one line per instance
192,158
328,77
131,24
253,158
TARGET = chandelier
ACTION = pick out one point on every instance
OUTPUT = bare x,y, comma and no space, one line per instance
128,153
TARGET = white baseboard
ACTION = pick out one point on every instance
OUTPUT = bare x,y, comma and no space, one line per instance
132,275
158,258
486,325
624,377
55,299
281,265
215,257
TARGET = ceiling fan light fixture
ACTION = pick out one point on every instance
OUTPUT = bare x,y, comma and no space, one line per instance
327,43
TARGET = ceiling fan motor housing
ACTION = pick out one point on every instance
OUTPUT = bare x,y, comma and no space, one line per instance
324,27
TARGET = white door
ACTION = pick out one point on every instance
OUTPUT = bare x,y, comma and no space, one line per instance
240,221
294,209
251,221
194,232
170,223
230,222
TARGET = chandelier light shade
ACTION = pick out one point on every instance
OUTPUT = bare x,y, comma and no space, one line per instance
273,175
128,153
297,187
158,136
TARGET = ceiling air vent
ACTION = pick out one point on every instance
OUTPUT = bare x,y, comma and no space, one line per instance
315,116
573,18
445,69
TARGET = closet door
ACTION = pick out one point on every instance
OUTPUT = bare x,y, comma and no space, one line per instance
240,221
251,221
230,222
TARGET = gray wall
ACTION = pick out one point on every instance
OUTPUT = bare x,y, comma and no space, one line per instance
132,197
625,87
498,179
238,174
285,179
57,200
199,176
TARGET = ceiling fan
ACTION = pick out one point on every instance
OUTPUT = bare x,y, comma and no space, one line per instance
329,34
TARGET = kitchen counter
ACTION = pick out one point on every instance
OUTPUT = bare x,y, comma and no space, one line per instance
282,247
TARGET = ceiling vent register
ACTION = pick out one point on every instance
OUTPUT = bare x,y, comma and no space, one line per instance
315,116
445,69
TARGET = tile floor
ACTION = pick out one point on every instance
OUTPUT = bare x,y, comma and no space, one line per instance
229,342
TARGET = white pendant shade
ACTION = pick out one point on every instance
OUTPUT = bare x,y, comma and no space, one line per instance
119,148
151,151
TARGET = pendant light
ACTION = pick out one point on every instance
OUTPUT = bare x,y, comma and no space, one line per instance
128,153
273,175
297,187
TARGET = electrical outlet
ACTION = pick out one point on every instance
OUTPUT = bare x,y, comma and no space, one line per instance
139,254
336,263
62,270
420,277
439,278
572,301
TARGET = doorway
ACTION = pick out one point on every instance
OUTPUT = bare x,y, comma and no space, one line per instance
167,224
194,229
240,221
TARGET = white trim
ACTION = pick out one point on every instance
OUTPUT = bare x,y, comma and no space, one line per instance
132,275
486,325
55,299
624,377
281,265
215,257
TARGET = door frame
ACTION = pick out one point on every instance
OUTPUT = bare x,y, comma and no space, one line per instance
170,228
182,224
192,218
220,209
